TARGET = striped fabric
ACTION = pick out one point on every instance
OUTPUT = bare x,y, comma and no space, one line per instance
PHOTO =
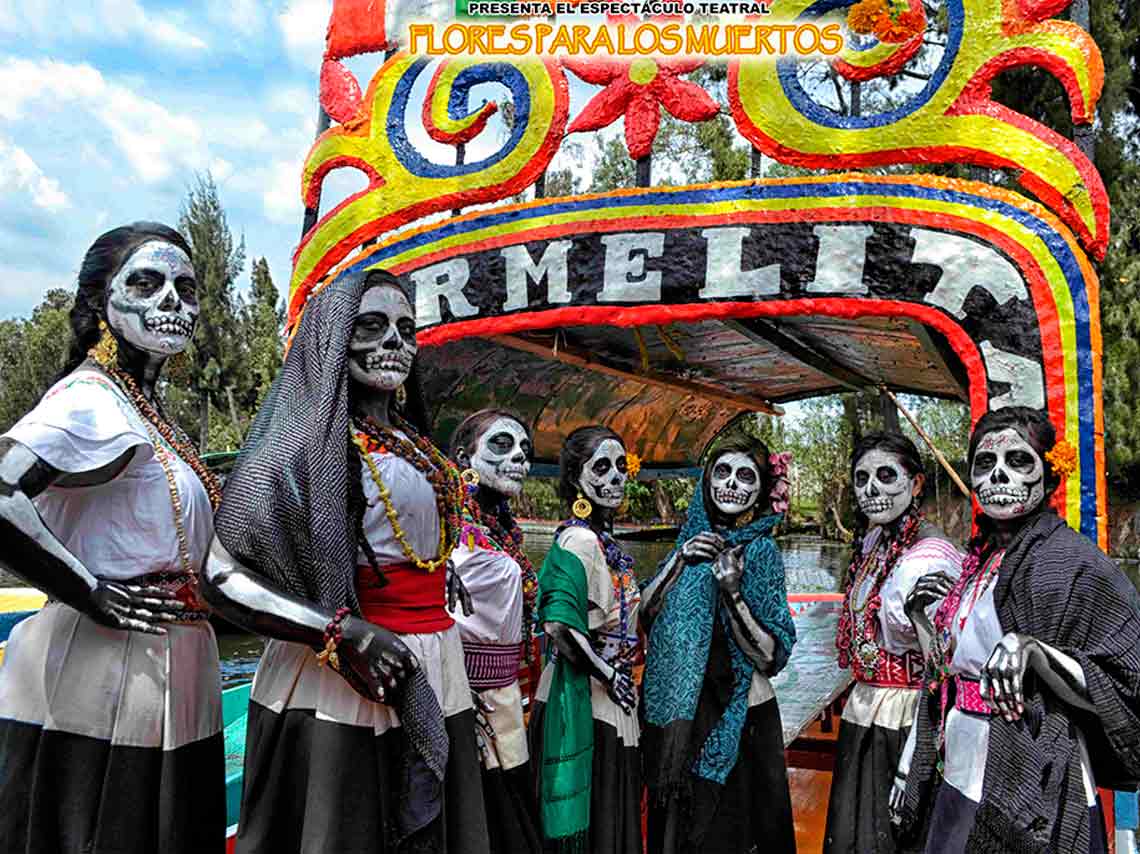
491,665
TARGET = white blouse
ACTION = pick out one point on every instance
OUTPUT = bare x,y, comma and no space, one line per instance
494,581
414,501
893,708
968,736
123,528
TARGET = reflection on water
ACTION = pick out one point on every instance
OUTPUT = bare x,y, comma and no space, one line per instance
811,565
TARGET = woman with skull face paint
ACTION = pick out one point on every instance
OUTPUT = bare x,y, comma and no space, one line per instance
333,542
110,707
894,548
719,627
1036,650
494,450
584,731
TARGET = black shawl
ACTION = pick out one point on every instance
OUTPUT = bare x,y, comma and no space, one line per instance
288,511
1055,586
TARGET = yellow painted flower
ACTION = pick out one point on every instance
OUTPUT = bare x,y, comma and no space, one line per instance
632,464
1063,459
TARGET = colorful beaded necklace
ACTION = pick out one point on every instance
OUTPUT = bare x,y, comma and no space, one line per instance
370,437
510,540
156,425
856,635
620,564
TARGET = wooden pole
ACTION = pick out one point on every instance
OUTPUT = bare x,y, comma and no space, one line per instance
922,434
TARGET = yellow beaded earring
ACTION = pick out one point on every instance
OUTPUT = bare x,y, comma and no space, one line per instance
582,508
401,397
106,352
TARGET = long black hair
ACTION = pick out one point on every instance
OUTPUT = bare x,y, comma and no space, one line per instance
1034,426
579,447
103,260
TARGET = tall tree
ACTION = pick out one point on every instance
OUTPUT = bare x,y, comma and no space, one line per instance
263,319
33,352
217,360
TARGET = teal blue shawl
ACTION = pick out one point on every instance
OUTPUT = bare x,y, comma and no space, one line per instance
679,641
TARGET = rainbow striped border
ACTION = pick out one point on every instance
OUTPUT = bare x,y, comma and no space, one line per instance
1059,278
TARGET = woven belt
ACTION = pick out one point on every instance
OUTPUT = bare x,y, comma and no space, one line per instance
491,665
891,671
968,697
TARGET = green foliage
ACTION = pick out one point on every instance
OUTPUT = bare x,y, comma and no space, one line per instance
539,499
217,357
32,352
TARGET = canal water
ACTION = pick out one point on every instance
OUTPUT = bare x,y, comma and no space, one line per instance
812,565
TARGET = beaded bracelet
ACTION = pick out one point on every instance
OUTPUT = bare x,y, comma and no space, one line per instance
334,634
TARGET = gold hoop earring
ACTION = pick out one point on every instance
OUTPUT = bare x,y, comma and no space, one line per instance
470,477
106,352
401,397
582,508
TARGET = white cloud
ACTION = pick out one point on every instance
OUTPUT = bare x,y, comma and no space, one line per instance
49,21
281,193
303,25
243,17
153,139
19,173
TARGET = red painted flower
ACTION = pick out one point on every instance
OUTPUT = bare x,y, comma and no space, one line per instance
638,90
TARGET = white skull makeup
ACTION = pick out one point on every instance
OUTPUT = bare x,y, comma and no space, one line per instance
383,341
735,483
883,486
502,456
1007,475
152,301
603,475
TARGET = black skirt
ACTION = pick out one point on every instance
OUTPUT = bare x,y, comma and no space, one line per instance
615,791
324,767
751,811
512,818
953,819
110,740
858,814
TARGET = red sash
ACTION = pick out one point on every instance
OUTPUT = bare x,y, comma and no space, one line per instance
411,603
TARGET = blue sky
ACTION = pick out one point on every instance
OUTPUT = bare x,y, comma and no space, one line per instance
108,108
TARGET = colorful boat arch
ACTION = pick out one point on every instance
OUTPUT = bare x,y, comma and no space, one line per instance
999,277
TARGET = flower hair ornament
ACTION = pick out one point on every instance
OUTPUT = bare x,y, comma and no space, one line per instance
1063,459
781,487
632,465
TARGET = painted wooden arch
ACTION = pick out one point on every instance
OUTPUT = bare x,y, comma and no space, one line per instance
1000,279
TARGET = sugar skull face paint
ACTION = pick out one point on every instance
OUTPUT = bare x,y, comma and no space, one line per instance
883,486
502,456
1007,475
604,475
383,341
152,301
734,483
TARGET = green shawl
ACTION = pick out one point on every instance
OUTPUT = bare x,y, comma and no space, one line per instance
568,725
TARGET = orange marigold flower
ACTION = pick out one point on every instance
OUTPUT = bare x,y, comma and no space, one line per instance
1063,459
913,21
864,16
632,464
890,31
